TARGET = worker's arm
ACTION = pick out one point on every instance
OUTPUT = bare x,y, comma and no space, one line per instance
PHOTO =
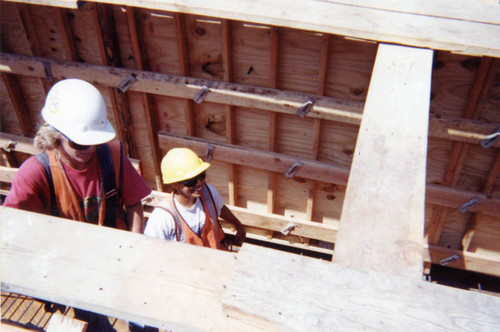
228,216
135,217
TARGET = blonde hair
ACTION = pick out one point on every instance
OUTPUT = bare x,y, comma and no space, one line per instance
47,137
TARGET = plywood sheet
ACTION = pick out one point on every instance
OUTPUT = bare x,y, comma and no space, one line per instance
382,219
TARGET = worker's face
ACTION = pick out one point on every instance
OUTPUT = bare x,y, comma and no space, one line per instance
191,188
77,156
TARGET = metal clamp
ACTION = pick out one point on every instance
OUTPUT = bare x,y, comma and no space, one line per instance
469,204
209,153
491,139
11,145
448,260
201,95
304,109
48,71
293,169
127,82
287,229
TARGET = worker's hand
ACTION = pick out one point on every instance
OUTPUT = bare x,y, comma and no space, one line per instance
241,235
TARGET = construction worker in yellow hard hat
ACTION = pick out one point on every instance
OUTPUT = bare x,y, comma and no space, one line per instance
81,174
190,213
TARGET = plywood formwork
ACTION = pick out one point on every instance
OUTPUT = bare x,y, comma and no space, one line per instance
261,66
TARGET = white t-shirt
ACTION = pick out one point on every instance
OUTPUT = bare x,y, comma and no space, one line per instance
161,224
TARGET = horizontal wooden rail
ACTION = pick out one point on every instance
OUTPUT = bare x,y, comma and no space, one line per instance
319,171
488,264
274,222
272,100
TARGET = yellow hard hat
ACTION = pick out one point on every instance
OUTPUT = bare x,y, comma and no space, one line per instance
181,164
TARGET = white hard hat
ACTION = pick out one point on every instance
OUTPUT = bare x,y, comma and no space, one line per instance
77,109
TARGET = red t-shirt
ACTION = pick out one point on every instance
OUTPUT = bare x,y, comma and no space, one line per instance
30,189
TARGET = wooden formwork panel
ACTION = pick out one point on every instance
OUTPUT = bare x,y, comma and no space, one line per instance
294,63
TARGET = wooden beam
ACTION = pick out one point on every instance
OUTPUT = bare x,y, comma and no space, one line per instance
320,171
62,261
18,103
472,28
387,179
325,45
150,111
273,100
272,141
337,298
109,49
19,143
314,170
26,21
487,264
488,186
227,60
480,88
184,69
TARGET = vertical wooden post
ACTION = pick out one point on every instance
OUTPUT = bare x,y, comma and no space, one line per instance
228,77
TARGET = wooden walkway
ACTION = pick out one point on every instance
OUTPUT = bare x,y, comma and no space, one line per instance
27,313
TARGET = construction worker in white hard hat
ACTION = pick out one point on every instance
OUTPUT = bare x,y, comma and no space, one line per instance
190,213
81,174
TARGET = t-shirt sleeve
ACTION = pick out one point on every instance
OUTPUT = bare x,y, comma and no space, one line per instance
161,225
133,187
219,202
29,189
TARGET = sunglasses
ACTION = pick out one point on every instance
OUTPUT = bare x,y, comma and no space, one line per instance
76,146
190,183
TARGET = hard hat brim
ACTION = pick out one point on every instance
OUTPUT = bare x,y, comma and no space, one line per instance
189,175
93,137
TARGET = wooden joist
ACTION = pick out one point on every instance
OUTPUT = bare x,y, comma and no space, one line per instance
273,100
469,27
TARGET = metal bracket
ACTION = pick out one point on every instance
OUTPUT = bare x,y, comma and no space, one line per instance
293,169
448,260
491,139
127,82
48,71
290,227
209,153
304,109
469,204
201,95
11,145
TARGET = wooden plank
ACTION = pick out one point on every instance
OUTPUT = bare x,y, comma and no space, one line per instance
60,323
338,298
285,102
467,33
140,279
387,179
